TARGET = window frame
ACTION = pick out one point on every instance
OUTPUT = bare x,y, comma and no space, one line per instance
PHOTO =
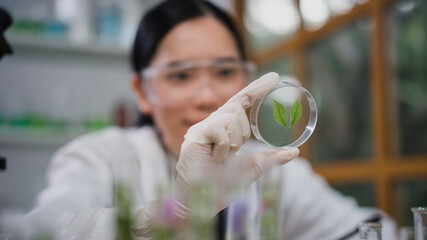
383,169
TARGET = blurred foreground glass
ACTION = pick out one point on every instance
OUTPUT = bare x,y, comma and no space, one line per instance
338,73
407,233
407,24
420,222
269,203
370,231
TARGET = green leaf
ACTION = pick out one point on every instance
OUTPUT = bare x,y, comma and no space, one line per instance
280,115
296,112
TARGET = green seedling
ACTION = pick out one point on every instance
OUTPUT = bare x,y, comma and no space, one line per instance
281,116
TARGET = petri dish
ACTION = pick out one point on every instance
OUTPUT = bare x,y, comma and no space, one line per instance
285,117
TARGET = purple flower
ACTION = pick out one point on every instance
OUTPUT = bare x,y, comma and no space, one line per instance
165,213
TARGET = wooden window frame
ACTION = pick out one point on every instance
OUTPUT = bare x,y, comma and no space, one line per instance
383,169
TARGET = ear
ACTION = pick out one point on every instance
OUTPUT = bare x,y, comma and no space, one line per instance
142,99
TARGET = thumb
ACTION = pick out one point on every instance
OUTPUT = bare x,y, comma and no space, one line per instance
247,96
262,162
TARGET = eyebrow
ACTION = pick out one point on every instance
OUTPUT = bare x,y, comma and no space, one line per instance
218,60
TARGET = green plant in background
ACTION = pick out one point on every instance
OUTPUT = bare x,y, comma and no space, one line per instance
281,116
124,219
202,199
168,226
269,206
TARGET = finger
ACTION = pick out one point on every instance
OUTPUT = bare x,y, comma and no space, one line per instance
247,96
203,132
238,110
221,143
234,130
280,157
244,123
262,162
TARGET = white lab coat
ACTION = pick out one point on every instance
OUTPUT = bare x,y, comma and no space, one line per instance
78,202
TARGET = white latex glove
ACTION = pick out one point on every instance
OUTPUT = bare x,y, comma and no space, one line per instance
208,155
208,152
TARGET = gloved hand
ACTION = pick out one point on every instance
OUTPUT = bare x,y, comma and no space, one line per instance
208,156
208,152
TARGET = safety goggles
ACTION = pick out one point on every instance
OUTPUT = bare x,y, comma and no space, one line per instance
181,82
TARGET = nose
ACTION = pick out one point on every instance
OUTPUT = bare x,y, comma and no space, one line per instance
206,96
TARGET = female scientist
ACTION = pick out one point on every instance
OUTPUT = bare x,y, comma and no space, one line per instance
190,82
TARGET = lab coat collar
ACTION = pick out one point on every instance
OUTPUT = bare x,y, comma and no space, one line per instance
151,155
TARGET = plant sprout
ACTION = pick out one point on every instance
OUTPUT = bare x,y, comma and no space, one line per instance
281,116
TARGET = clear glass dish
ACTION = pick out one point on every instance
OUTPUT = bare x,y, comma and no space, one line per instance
269,124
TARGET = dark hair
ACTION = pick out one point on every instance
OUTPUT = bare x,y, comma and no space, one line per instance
158,22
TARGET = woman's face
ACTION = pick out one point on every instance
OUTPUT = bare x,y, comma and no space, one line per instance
191,77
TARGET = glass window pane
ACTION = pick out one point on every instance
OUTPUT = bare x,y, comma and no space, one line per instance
282,65
315,13
410,193
364,193
339,7
338,73
269,21
407,24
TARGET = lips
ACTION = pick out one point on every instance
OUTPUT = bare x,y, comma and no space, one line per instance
189,123
196,117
